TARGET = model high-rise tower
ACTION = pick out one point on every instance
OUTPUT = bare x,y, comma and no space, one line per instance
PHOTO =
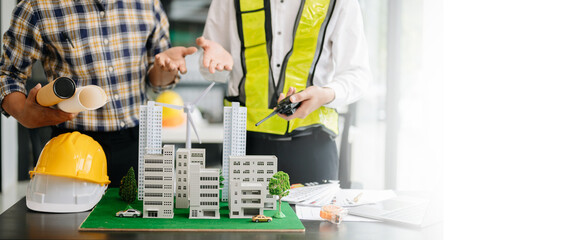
234,140
149,138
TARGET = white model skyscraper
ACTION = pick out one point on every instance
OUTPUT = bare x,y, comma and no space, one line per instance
149,138
158,196
234,140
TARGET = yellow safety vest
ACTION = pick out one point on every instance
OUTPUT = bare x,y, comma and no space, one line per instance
258,91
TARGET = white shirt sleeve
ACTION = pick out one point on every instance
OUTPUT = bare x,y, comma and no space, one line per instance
350,54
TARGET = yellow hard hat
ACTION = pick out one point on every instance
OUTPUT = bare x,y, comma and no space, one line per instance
171,117
73,155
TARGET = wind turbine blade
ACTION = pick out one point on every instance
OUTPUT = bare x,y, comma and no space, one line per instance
203,93
169,105
193,125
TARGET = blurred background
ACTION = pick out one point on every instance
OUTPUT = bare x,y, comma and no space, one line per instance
390,139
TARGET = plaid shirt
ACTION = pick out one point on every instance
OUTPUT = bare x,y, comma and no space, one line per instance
109,43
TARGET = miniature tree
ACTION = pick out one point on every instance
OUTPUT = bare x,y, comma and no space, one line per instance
279,185
221,180
129,187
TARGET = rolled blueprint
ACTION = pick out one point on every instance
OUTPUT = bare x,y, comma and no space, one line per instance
56,91
86,98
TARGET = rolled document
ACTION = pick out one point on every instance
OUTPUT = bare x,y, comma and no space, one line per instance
88,97
56,91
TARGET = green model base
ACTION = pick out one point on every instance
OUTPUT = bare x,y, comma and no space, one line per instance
103,218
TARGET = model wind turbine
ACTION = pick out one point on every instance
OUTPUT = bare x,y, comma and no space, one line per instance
188,108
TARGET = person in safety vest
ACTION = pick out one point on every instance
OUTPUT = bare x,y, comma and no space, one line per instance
122,48
314,49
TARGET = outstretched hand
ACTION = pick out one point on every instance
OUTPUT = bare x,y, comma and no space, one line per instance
173,59
215,57
311,99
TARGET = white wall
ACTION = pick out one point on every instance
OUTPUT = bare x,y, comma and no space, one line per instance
9,125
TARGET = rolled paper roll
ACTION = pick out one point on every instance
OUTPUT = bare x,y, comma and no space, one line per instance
89,97
56,91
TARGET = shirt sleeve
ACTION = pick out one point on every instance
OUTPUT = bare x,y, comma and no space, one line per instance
350,53
160,41
22,45
216,29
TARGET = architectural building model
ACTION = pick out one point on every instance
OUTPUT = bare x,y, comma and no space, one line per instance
204,199
182,168
197,156
254,169
234,140
246,198
158,184
149,138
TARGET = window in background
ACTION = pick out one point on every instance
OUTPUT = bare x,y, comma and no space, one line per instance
368,134
413,139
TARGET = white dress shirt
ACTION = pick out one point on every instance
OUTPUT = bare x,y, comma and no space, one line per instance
343,64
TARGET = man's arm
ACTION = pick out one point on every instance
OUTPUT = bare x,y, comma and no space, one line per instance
29,113
15,67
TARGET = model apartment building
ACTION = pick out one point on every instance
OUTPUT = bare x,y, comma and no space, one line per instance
149,138
158,184
255,168
196,156
247,199
204,192
234,143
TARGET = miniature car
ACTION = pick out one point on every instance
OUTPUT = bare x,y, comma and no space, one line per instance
129,213
261,218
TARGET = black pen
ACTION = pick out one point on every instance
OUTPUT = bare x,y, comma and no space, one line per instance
68,39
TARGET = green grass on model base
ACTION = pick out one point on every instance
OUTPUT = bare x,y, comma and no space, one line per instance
103,216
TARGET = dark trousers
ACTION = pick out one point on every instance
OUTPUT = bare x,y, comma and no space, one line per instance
120,147
310,158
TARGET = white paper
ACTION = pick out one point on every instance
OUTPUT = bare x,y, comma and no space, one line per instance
313,213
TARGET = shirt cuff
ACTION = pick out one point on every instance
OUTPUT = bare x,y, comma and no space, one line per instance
7,89
339,95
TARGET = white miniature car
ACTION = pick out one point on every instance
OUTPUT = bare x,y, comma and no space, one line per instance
129,213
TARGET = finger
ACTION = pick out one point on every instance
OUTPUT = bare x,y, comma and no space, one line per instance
161,64
299,97
189,51
228,67
291,91
202,42
219,67
183,69
173,67
211,66
206,60
281,96
33,93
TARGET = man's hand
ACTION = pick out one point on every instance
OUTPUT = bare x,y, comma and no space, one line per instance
312,98
29,113
168,63
215,57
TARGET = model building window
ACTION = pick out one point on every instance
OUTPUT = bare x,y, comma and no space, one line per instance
260,171
260,163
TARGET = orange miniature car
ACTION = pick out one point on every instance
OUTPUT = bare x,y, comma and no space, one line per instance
261,218
333,213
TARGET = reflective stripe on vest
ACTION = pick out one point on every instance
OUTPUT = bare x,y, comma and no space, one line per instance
257,88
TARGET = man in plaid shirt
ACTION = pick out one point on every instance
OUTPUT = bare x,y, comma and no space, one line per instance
119,45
